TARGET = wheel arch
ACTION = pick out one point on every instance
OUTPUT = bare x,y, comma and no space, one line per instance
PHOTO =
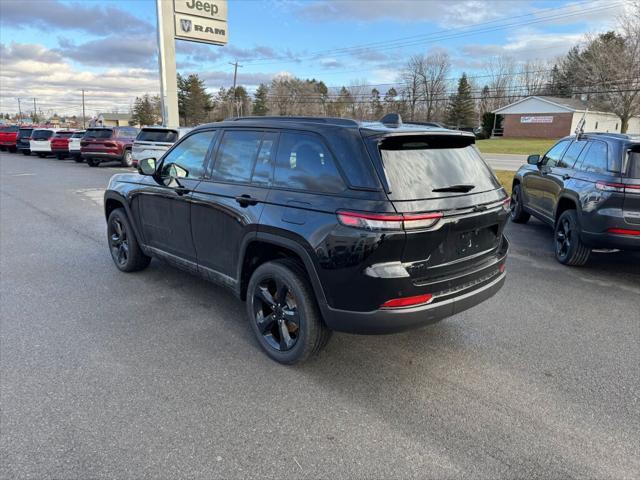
264,247
566,202
114,200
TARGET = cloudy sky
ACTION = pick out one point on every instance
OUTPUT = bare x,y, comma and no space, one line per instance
52,49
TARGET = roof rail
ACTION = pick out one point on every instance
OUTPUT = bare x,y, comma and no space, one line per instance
327,120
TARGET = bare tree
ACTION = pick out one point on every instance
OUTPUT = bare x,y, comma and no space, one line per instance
610,68
533,77
433,83
411,77
500,71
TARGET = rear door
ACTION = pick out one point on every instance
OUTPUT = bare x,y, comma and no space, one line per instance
445,174
228,203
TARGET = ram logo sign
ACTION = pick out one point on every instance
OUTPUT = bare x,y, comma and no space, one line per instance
197,29
185,24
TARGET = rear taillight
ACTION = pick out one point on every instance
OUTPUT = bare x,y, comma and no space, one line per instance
408,301
624,231
617,187
388,221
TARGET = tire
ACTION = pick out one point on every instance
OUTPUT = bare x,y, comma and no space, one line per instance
60,156
127,159
13,149
517,213
92,162
123,245
78,159
26,153
569,249
288,295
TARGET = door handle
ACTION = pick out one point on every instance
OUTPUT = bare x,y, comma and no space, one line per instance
246,200
566,177
181,190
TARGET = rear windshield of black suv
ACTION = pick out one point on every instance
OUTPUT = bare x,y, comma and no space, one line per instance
157,135
98,133
434,166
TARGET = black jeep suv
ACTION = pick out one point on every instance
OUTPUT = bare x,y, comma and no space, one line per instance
588,189
320,224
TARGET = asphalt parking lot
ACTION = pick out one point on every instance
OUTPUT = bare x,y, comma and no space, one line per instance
156,374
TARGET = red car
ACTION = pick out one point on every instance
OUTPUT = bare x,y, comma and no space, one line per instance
108,144
8,138
60,143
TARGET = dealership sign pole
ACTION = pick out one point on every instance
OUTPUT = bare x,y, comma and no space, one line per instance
203,21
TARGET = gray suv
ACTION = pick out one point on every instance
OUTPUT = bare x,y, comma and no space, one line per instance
588,189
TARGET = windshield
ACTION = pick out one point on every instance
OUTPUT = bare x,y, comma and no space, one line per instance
77,135
41,134
434,166
166,136
25,132
99,133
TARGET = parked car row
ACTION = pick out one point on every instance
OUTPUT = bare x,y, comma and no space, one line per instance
94,145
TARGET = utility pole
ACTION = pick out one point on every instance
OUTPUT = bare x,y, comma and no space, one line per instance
167,63
35,110
83,116
19,112
235,76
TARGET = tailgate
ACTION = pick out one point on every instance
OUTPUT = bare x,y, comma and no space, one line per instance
468,234
443,173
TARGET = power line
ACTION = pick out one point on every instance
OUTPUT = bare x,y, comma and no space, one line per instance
444,35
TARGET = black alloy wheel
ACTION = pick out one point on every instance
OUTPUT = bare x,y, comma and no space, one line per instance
283,312
123,245
119,242
517,214
569,249
276,314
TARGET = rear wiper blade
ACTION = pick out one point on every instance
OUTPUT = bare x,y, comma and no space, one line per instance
463,188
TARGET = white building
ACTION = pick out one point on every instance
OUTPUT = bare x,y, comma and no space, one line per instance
553,117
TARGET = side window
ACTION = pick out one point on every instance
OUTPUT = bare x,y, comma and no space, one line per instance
553,156
595,159
572,154
304,163
187,159
264,163
236,156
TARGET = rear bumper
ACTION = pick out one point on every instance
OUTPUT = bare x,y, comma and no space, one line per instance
610,240
59,150
397,320
21,146
103,156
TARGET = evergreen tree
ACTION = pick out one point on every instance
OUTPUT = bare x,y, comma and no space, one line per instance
145,111
194,103
390,102
461,108
376,105
260,106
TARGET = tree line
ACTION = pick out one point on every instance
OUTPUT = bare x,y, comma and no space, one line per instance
603,70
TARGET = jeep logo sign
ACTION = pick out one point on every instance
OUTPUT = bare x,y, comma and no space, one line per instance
211,9
198,29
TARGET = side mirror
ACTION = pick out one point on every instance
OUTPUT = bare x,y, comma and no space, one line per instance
147,166
533,159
